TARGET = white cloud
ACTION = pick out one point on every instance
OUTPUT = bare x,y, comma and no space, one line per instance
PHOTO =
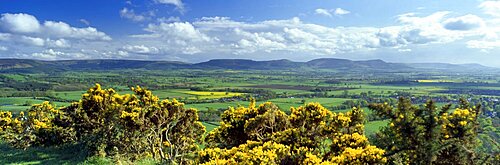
467,22
221,35
140,49
63,30
331,12
252,42
3,48
176,3
51,54
491,8
429,29
340,11
483,44
179,31
168,20
19,23
122,53
84,21
25,36
404,50
324,12
60,43
33,41
490,30
28,25
5,36
130,14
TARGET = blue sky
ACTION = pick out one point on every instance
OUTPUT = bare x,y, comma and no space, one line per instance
451,31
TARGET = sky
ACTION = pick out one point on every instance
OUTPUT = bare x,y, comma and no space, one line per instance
409,31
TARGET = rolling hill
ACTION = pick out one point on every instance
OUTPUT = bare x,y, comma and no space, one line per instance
36,66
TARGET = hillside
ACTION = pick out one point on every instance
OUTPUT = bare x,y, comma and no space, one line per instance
36,66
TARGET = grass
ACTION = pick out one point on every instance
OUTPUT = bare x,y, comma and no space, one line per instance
283,103
17,104
69,95
286,103
70,154
209,126
16,77
373,126
19,100
65,155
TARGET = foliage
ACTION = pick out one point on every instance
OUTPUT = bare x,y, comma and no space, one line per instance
43,126
109,124
136,125
427,135
311,134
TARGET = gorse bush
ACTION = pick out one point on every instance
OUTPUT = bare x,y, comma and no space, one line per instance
133,126
43,125
428,135
311,134
136,126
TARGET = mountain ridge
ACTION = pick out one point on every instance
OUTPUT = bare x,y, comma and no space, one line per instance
375,65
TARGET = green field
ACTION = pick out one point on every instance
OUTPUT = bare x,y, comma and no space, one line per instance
17,104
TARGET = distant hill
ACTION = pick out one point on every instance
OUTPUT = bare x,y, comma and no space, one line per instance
242,64
369,65
448,67
36,66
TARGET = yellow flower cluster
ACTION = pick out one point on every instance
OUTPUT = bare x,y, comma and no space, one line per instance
250,153
454,124
38,124
146,95
312,110
367,155
5,120
99,95
350,140
132,115
41,116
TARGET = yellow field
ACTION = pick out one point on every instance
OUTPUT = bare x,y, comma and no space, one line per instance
232,71
212,95
436,81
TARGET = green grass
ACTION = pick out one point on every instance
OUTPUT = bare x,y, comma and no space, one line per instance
286,103
373,126
17,104
70,154
209,126
16,77
283,103
19,100
64,155
69,95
